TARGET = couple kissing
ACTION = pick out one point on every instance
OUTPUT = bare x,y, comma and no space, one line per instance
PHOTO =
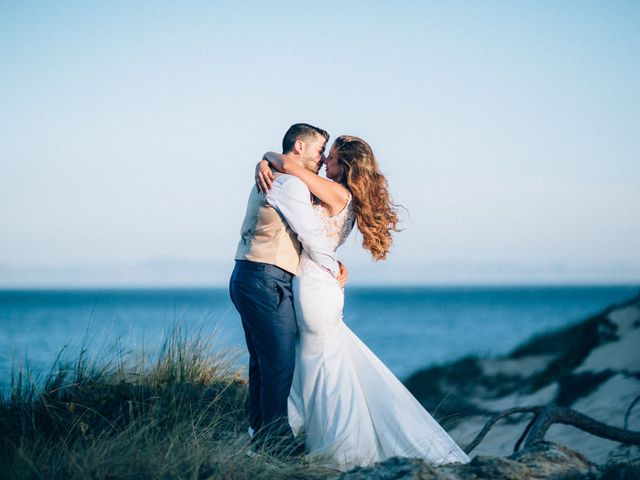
314,387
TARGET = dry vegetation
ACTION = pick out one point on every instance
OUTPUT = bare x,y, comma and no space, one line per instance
178,416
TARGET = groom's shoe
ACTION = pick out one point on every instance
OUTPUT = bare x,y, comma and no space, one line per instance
250,452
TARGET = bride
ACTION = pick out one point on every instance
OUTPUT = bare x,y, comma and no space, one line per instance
346,404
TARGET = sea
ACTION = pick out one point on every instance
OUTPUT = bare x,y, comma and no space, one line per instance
408,328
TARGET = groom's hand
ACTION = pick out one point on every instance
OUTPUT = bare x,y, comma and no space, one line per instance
264,176
343,275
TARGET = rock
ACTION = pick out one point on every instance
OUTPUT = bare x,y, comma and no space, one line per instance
395,468
621,471
623,464
544,460
550,460
482,467
625,454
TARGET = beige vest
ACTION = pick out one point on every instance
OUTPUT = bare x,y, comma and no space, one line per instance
266,237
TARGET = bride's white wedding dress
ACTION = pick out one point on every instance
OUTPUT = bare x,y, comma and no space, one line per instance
349,407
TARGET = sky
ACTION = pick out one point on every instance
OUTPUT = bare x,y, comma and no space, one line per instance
509,131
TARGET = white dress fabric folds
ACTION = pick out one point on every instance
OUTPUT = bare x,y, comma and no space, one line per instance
350,409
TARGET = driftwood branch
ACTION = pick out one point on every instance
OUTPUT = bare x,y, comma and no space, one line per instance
587,424
545,416
474,443
626,416
525,433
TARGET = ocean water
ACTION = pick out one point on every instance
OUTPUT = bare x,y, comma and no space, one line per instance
408,328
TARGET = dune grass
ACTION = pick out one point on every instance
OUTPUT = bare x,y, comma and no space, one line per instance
181,415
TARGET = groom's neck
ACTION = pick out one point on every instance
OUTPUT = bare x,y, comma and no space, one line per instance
297,158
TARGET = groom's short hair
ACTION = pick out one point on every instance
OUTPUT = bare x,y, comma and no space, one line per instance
300,131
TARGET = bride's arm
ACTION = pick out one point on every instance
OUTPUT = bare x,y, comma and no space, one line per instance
331,193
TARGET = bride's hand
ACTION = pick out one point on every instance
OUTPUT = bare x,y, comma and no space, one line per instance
343,275
278,161
264,176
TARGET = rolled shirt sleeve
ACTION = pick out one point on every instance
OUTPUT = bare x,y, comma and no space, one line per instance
291,197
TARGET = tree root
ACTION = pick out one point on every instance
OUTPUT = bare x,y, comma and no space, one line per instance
545,416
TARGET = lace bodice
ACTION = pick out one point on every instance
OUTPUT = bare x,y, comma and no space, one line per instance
338,227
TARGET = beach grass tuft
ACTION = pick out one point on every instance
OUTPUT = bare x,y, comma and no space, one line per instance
178,415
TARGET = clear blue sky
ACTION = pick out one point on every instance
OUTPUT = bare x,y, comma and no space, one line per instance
509,130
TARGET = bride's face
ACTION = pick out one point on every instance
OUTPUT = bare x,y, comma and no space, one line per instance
334,170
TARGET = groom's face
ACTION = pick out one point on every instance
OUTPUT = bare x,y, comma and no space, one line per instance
312,153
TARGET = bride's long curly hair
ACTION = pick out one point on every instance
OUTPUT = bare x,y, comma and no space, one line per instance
372,204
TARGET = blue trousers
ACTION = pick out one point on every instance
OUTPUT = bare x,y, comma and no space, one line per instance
262,295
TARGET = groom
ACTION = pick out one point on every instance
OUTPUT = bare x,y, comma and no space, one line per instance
276,227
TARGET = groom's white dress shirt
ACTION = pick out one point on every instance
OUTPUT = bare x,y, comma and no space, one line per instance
291,197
